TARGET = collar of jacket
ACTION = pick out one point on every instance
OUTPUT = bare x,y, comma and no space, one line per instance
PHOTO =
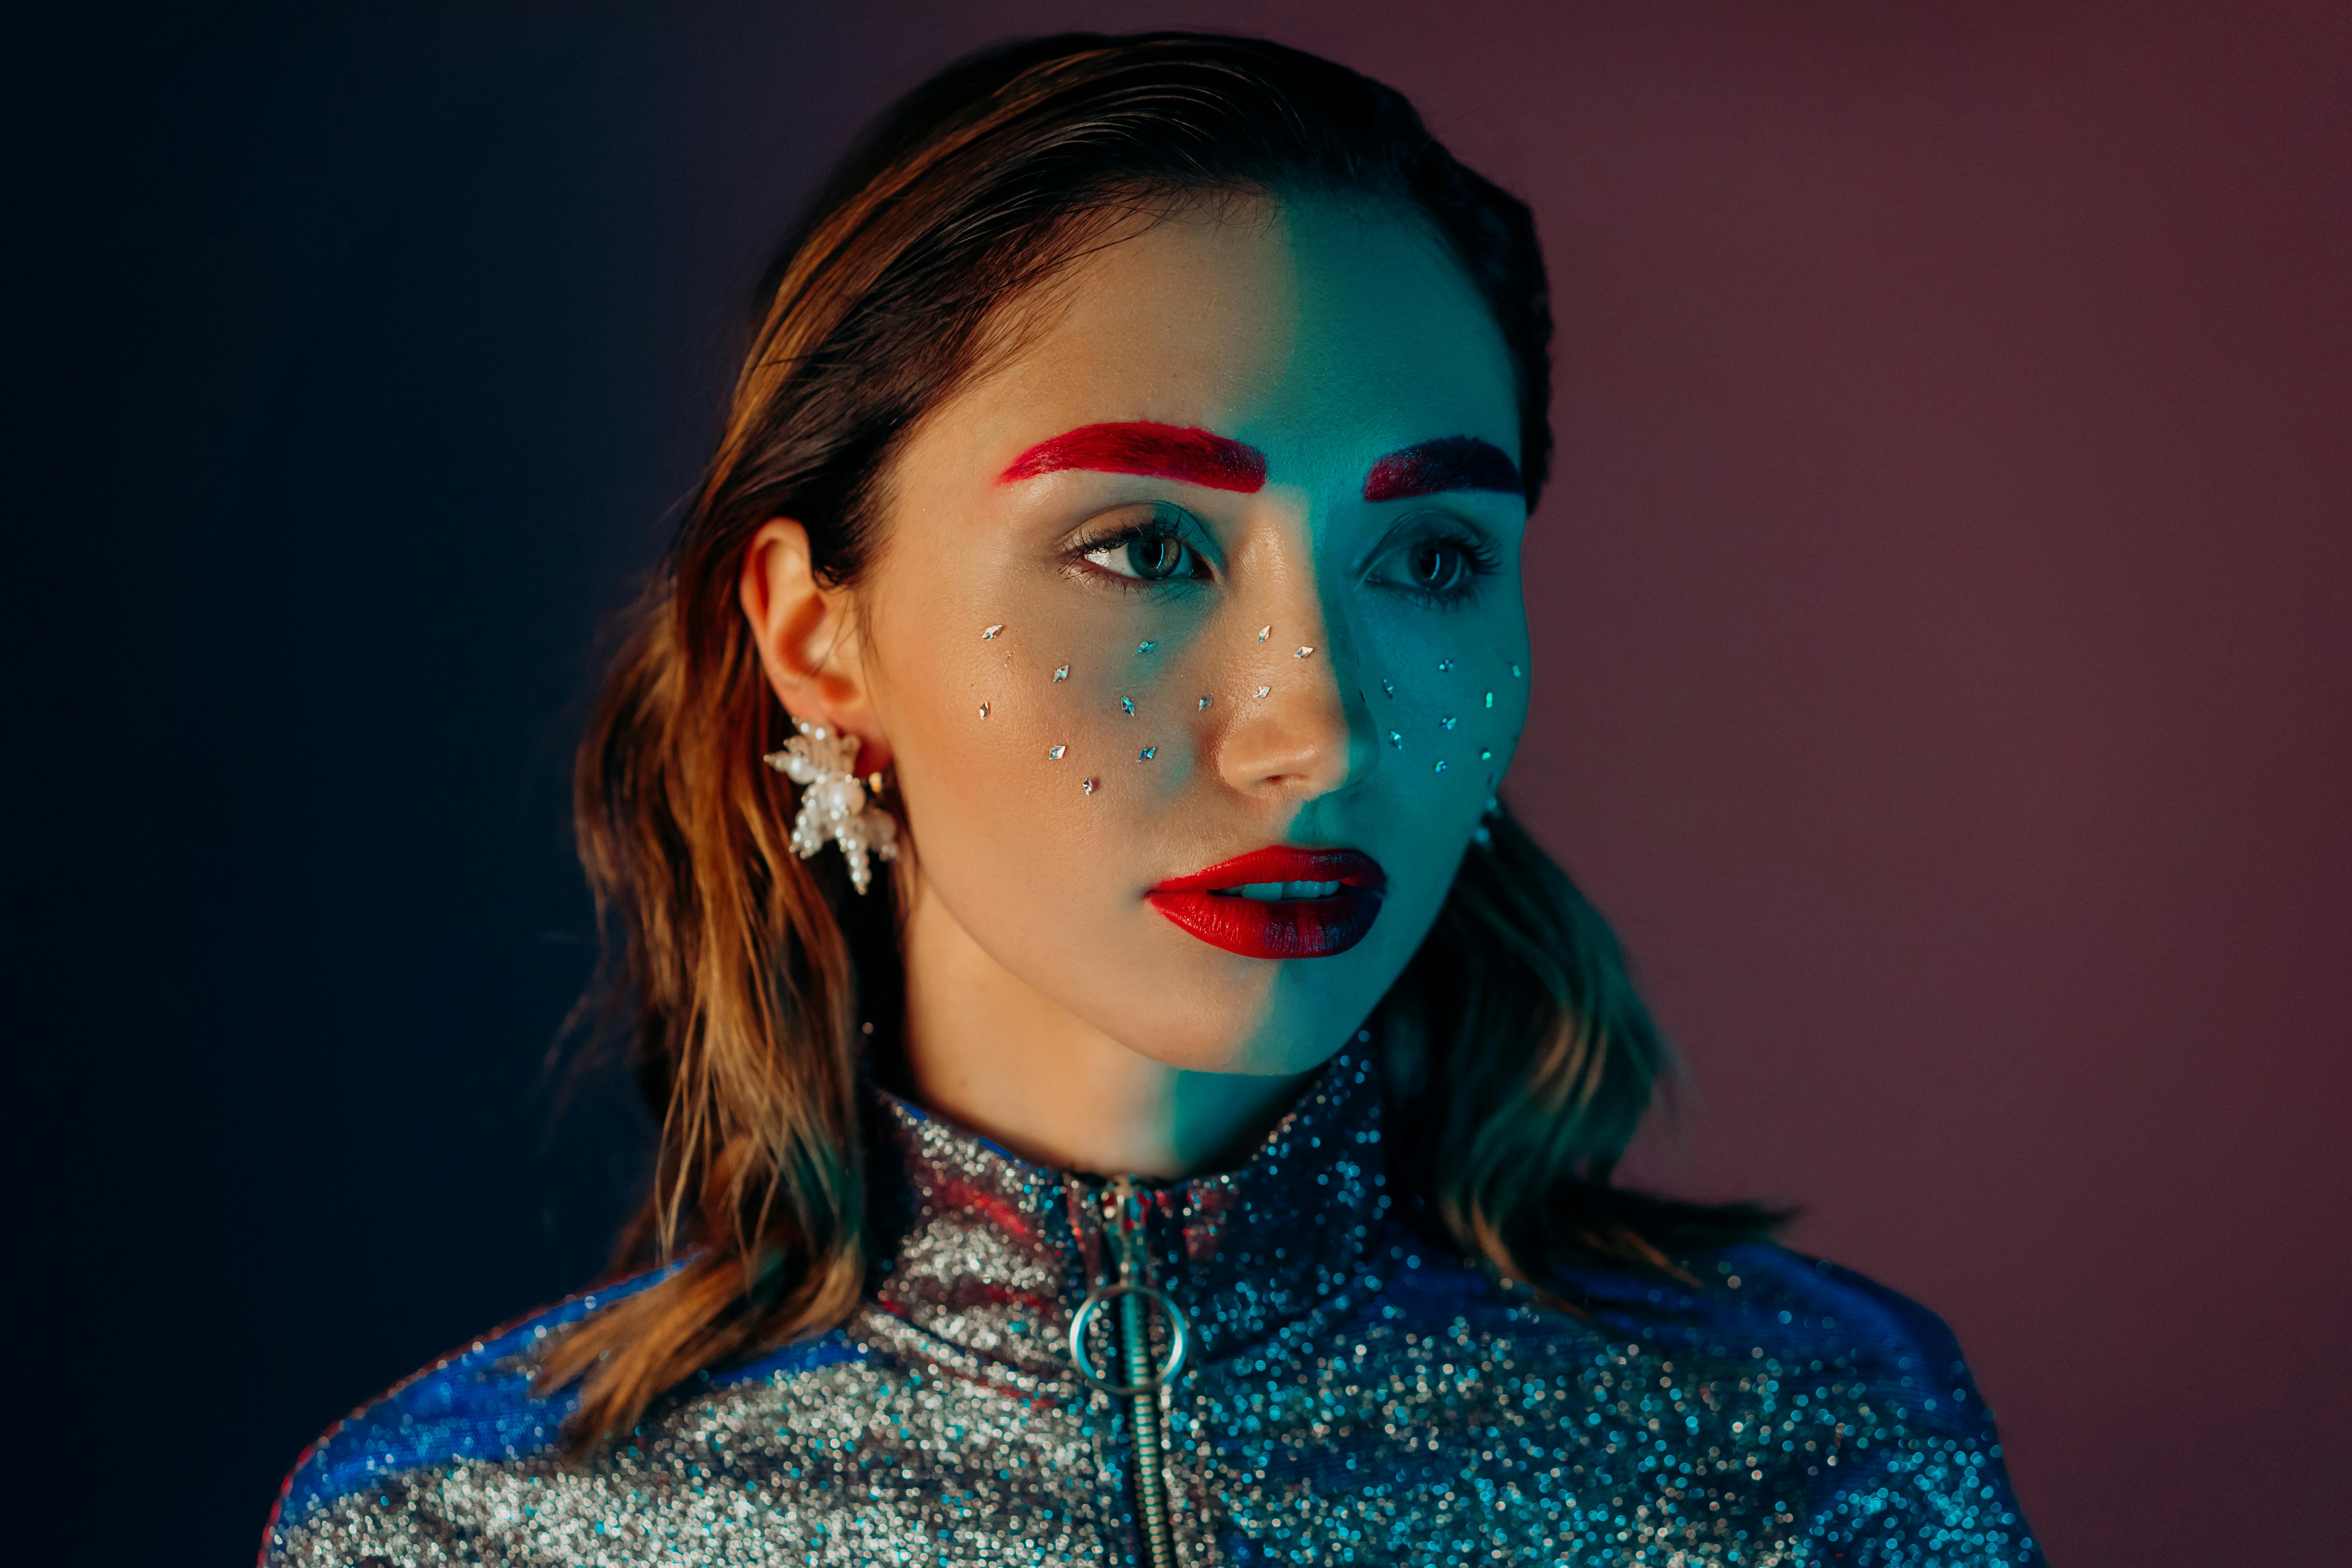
993,1255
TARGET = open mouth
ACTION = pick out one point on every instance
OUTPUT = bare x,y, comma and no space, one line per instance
1275,892
1278,902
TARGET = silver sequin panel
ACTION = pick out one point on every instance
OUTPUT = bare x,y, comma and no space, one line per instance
1357,1402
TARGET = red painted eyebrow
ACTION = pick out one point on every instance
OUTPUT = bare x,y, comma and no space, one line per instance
1163,451
1448,463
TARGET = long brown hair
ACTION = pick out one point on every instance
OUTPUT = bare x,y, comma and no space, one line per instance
749,974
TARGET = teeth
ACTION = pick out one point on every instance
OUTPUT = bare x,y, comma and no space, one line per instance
1272,892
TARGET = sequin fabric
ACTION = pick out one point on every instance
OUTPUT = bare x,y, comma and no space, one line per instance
1356,1396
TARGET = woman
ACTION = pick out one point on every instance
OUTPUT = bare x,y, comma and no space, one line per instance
1128,1091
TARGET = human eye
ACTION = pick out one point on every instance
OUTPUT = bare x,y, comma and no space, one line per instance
1141,550
1435,559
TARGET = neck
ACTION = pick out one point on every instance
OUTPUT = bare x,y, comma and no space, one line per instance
988,1050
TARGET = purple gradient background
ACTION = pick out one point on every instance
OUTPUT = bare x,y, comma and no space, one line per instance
1944,663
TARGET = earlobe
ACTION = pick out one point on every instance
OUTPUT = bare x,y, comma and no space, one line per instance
806,638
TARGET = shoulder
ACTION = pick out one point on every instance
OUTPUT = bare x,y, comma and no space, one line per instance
476,1402
475,1406
1758,1312
1805,1309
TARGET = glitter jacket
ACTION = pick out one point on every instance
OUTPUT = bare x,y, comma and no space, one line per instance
1355,1393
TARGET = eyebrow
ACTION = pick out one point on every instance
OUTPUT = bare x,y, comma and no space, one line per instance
1448,463
1139,447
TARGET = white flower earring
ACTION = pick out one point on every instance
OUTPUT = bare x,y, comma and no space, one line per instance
833,803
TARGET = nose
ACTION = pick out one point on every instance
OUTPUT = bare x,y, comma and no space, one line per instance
1311,734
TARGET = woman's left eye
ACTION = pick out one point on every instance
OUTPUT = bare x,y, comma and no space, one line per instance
1437,568
1153,558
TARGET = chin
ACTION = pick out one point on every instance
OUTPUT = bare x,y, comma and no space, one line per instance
1261,1035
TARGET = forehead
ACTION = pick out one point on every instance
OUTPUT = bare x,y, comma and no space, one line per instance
1324,333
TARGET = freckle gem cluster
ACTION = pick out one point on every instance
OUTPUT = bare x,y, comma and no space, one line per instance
1446,723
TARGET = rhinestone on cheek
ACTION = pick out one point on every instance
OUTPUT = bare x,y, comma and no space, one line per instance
1264,632
1146,755
1396,739
1087,785
1446,723
1266,691
983,710
1127,706
1490,699
1440,767
1054,755
1444,665
1485,755
1388,688
1146,646
1063,673
1304,651
1204,701
991,631
1515,669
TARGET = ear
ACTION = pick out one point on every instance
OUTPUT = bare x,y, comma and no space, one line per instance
808,639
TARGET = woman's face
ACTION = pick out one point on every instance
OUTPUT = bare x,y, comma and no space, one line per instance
1195,635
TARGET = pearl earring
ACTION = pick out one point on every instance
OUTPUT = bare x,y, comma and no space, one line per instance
833,803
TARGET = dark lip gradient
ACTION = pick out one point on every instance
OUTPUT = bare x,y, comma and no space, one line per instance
1277,928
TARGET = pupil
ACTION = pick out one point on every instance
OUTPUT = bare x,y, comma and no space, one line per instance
1434,566
1155,557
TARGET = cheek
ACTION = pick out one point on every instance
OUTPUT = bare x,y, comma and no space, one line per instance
1020,731
1447,705
1009,742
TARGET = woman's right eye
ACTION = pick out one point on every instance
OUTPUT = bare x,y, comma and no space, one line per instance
1150,558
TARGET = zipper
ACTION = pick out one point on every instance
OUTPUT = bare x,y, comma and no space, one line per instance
1139,1383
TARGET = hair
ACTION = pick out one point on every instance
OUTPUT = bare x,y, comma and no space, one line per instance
746,972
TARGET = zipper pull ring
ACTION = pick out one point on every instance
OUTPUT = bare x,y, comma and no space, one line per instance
1123,1215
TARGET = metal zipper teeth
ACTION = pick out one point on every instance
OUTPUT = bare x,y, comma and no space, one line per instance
1143,1406
1144,1424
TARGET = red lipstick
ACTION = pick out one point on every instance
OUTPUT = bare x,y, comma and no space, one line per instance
1238,904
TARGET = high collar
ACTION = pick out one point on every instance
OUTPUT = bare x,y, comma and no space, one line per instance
993,1254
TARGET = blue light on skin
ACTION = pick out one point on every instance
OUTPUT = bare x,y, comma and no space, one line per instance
1049,1006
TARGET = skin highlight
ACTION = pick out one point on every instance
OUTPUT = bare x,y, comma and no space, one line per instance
1049,1006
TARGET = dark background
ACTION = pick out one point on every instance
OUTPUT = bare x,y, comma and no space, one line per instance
1941,635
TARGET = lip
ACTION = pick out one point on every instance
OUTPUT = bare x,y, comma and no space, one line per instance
1277,928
